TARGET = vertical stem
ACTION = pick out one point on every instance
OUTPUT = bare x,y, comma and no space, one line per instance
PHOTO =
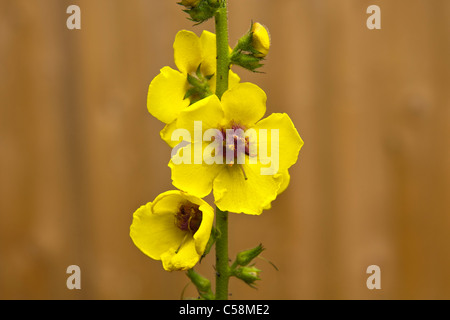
222,267
223,54
223,67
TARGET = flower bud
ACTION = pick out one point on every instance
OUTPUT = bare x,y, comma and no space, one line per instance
200,10
248,274
189,3
260,40
252,48
243,258
203,285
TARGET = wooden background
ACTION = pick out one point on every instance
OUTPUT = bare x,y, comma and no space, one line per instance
80,153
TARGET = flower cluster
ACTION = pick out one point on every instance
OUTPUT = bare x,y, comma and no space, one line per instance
220,145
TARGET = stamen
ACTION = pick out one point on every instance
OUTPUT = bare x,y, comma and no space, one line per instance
237,148
243,171
182,242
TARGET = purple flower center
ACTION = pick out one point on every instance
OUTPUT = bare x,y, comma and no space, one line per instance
189,217
235,143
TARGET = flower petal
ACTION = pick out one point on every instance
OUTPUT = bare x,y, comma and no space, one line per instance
154,233
166,94
166,134
285,180
186,258
245,104
208,111
235,194
167,202
187,51
203,233
289,141
195,179
209,49
234,80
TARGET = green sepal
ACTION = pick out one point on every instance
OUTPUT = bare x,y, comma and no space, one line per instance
202,284
245,257
189,93
199,86
247,274
195,82
246,60
211,242
203,11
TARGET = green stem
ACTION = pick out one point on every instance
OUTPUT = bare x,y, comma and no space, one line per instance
223,54
222,267
223,67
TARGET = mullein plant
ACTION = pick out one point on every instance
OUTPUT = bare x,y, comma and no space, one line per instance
216,128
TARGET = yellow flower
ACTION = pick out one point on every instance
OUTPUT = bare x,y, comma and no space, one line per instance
239,186
260,40
195,58
174,228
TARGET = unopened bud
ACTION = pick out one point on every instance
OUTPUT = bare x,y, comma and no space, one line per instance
248,274
189,3
260,40
252,48
243,258
200,10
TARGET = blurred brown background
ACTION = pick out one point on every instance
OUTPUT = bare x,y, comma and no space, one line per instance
80,153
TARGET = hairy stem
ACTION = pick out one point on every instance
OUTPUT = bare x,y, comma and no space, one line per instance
223,54
223,67
222,266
